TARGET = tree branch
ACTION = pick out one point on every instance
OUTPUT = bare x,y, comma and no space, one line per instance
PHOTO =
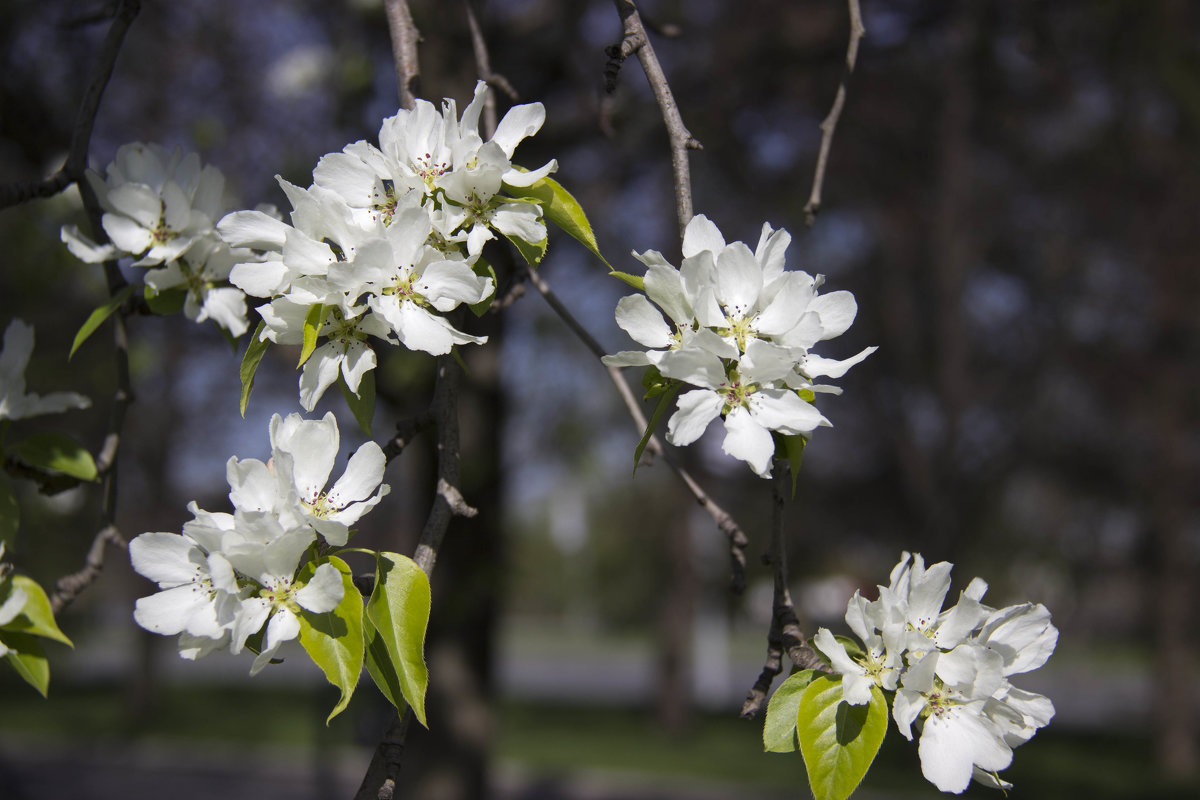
829,124
405,37
725,522
85,117
635,40
483,67
784,635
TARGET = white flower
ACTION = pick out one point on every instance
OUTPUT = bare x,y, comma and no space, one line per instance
739,326
15,403
292,487
157,204
201,271
199,592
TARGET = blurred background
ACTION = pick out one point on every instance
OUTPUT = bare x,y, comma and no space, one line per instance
1012,198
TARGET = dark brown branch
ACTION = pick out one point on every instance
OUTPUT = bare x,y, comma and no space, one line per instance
85,117
829,124
405,37
68,587
784,635
483,67
636,41
406,431
380,781
725,522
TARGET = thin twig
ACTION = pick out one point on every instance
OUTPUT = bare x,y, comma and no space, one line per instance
85,117
785,635
405,37
829,124
724,520
483,67
635,40
69,587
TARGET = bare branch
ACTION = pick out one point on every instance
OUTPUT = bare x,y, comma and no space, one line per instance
405,37
68,587
784,635
635,40
829,124
85,117
725,522
483,67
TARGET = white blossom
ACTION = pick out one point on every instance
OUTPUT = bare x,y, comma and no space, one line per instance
15,402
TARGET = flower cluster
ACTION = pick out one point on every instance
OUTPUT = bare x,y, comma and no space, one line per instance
227,574
387,239
160,208
15,403
740,327
949,670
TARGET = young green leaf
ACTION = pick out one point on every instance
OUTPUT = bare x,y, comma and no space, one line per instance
312,329
664,402
398,613
838,741
36,617
56,452
559,207
254,354
793,448
166,302
10,511
485,270
636,281
362,405
532,253
334,640
779,729
97,317
26,657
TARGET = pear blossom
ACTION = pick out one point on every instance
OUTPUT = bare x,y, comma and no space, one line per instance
949,670
738,325
15,402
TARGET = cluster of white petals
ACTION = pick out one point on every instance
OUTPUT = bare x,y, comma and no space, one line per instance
228,575
15,402
387,239
160,208
949,670
740,327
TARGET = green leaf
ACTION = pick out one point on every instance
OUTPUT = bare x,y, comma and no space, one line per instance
334,640
166,302
664,402
838,741
254,354
779,729
26,657
56,452
485,270
398,612
793,448
10,511
532,253
636,281
312,330
36,617
559,207
97,317
362,404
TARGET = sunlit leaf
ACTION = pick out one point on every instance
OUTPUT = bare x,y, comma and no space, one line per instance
334,640
254,354
559,207
398,613
664,402
97,317
26,657
50,451
36,617
838,741
636,281
312,330
532,253
779,729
